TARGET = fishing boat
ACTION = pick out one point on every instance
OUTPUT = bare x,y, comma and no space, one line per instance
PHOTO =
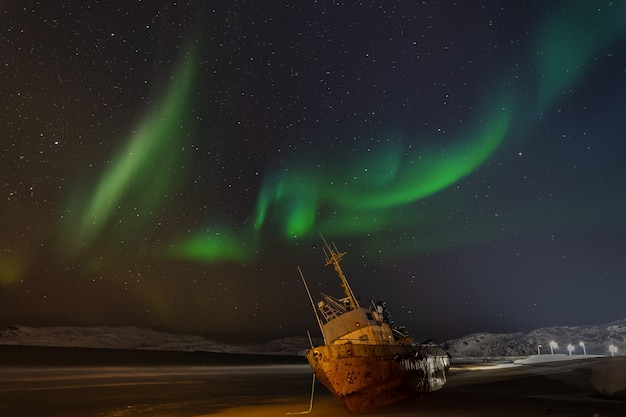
365,361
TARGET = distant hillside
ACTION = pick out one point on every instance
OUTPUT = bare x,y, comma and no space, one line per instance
596,339
128,337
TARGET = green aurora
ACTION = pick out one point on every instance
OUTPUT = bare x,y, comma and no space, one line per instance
359,197
375,185
132,188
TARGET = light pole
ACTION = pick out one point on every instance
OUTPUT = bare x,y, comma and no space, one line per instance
582,344
613,349
570,348
538,349
553,345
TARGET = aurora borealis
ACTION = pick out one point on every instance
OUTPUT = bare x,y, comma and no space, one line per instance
168,164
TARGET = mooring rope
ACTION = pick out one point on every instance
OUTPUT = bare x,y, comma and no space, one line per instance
311,402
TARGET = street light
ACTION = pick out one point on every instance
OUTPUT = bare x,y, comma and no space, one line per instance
553,345
613,349
582,344
570,348
539,349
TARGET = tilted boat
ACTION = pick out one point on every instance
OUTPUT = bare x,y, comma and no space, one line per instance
365,361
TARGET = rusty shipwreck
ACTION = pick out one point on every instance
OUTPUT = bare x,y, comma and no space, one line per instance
365,361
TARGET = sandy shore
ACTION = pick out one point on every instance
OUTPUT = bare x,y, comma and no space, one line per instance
101,383
561,389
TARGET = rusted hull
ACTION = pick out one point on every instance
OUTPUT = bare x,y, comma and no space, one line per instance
369,376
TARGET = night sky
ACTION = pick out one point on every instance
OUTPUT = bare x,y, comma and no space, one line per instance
170,164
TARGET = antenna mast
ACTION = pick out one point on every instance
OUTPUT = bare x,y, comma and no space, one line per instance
333,256
319,322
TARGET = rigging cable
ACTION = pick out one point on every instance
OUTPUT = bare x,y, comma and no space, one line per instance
311,403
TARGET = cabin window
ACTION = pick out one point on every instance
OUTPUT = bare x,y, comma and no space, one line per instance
369,316
363,338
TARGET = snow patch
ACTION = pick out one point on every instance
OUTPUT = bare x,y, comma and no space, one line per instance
596,340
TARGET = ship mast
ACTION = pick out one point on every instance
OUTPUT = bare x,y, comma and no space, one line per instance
332,258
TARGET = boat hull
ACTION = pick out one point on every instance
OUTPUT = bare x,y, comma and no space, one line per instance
365,376
365,362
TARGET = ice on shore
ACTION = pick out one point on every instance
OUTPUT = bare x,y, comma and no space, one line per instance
609,377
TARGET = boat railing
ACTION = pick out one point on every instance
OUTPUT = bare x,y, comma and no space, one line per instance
346,340
332,307
328,312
